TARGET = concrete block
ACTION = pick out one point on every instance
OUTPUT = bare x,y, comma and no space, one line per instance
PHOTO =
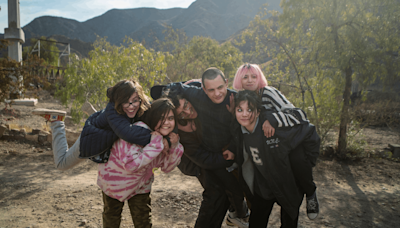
25,101
395,149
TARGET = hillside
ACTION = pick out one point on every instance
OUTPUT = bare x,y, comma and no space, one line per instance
218,19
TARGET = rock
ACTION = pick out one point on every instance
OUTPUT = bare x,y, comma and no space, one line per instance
42,136
32,138
83,222
14,131
35,131
395,148
3,128
44,132
22,131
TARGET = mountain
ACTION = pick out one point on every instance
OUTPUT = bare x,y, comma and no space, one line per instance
217,19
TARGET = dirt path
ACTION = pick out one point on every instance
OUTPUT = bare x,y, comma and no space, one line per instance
34,194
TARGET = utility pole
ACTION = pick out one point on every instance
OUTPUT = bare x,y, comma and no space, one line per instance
14,33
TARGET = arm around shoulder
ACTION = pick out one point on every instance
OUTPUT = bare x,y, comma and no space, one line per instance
124,129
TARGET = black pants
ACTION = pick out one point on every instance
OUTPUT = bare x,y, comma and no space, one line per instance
215,201
233,191
261,210
139,205
302,170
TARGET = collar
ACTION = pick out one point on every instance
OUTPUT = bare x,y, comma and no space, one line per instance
245,131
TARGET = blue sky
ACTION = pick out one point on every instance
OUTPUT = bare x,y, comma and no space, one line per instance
80,10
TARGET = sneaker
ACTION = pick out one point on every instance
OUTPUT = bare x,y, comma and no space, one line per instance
232,220
88,108
50,115
312,206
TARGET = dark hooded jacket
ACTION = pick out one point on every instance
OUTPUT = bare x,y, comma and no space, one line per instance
275,168
103,128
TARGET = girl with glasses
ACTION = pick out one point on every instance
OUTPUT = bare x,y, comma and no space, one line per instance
98,141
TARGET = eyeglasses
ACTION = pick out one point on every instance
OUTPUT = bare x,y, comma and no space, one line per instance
134,103
183,114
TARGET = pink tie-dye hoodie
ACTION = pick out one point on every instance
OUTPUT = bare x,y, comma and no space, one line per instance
129,171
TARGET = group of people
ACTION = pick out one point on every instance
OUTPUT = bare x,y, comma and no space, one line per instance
249,149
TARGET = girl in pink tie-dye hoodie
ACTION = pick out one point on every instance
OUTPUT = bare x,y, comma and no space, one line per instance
128,175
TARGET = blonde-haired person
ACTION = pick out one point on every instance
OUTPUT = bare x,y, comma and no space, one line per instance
280,113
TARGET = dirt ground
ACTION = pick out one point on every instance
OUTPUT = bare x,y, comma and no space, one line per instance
33,193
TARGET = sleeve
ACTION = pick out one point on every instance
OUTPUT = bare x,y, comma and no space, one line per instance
202,157
169,162
279,111
312,145
124,129
134,157
64,158
96,136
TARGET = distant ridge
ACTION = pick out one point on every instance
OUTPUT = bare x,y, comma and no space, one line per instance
218,19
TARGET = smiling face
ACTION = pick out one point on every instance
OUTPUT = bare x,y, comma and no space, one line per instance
246,116
166,124
186,110
216,89
132,106
249,81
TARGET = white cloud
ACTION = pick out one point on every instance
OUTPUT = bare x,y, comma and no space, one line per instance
80,10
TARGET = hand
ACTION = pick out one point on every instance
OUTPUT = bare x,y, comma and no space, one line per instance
269,131
228,155
174,138
231,106
192,80
166,147
155,133
190,126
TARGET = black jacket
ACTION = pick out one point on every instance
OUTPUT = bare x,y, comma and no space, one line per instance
103,128
276,169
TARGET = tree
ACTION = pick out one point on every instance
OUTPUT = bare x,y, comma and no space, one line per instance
16,77
188,59
88,79
326,44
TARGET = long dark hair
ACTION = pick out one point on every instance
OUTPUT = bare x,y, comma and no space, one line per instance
254,101
123,90
158,111
175,95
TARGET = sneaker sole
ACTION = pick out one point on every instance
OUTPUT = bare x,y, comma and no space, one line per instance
229,223
312,216
43,111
